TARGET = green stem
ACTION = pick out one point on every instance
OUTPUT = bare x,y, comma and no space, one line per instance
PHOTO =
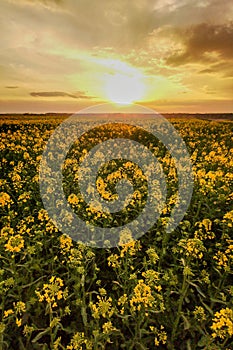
180,304
1,341
84,306
50,320
166,237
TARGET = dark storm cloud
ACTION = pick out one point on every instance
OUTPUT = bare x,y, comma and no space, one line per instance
202,40
79,95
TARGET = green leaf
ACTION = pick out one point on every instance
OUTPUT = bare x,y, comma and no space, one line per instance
40,335
186,322
204,341
207,307
197,288
218,301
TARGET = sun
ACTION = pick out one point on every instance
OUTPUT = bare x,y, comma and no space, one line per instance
124,88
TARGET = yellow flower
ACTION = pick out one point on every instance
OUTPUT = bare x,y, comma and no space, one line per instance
52,291
57,344
224,258
73,199
192,247
223,323
15,244
78,341
65,243
122,301
5,199
151,277
108,327
54,322
102,291
24,197
204,231
19,307
103,307
199,313
18,321
128,244
6,231
8,313
43,215
228,219
27,330
160,335
153,256
142,296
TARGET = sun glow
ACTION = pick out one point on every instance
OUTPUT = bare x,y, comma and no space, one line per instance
123,84
124,89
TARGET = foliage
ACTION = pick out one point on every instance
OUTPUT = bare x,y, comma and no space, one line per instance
161,292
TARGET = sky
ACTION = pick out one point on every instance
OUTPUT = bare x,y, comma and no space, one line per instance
168,55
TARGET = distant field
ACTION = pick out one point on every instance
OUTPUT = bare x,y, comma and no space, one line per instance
16,118
163,291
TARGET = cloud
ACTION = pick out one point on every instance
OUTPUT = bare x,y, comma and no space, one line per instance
223,68
11,87
78,95
54,48
204,43
123,25
51,5
207,71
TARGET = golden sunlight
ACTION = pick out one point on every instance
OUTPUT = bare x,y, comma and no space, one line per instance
124,89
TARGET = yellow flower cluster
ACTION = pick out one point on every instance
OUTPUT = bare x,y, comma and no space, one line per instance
15,244
52,291
65,243
6,232
152,279
142,296
5,199
160,335
103,307
101,187
228,219
113,260
192,247
131,248
108,327
73,199
8,312
223,324
153,256
44,218
122,301
19,309
24,197
137,283
43,215
204,230
224,259
199,313
127,244
78,341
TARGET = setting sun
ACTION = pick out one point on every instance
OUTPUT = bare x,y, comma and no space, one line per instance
124,89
